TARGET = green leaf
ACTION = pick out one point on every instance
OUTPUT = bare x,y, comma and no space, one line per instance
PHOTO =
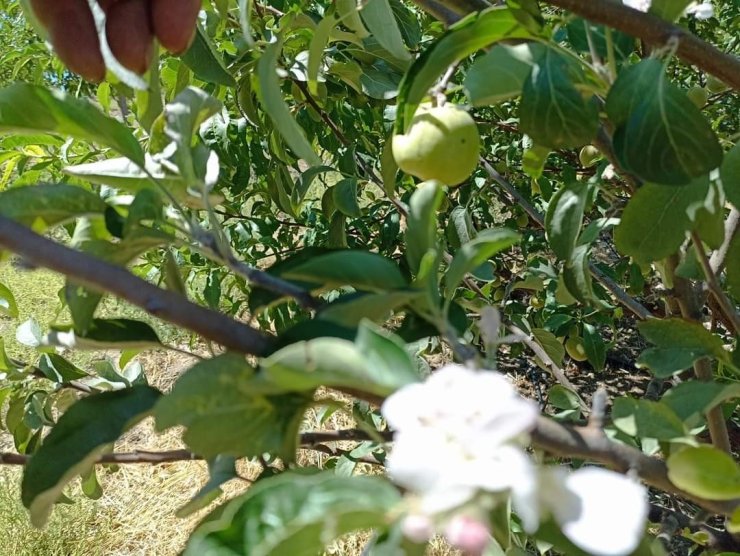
46,205
564,218
670,10
386,355
661,136
693,398
553,112
57,369
221,469
28,108
124,174
708,216
577,277
730,174
344,194
8,305
228,410
306,510
582,34
149,103
334,362
421,230
349,310
678,344
594,346
647,419
705,471
360,269
380,21
549,342
475,252
80,437
316,51
271,98
655,221
561,398
105,334
460,41
534,159
206,64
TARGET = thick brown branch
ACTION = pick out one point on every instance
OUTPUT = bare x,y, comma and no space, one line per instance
590,444
101,276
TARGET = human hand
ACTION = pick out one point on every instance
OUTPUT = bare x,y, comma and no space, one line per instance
130,29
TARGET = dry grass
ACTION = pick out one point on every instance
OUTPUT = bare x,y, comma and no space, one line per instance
136,514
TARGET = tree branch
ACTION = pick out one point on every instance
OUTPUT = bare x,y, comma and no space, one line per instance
656,31
649,28
622,297
590,444
732,228
102,276
725,305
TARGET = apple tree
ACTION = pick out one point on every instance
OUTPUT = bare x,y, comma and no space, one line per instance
504,233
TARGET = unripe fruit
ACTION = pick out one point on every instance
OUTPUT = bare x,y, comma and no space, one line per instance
174,23
442,143
698,95
574,347
129,33
73,34
589,156
522,220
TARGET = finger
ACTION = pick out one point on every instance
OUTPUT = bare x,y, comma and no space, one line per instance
73,35
174,23
129,33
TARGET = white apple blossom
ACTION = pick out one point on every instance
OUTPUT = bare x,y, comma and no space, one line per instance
641,5
481,408
700,10
703,10
600,511
459,449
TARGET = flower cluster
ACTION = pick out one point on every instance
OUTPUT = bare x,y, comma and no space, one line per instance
703,10
459,449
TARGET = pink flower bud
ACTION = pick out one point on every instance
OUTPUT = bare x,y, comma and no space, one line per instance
468,534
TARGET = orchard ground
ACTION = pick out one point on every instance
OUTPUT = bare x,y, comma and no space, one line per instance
136,513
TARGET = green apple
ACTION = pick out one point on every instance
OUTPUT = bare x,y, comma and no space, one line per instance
442,143
698,95
574,347
589,156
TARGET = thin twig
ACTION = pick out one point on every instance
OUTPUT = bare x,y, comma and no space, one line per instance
726,306
621,296
690,302
732,229
547,361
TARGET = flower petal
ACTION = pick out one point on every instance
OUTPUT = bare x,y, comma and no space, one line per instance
609,516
